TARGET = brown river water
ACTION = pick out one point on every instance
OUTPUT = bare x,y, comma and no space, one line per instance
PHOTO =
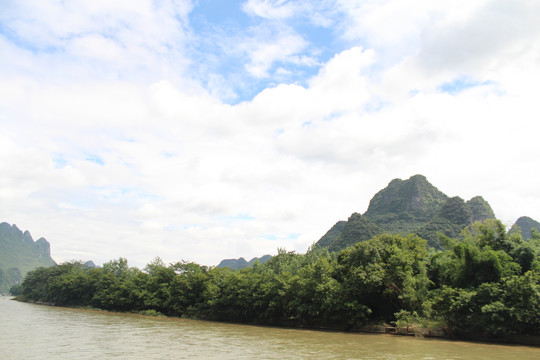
29,331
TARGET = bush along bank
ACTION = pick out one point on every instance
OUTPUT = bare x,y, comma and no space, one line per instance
486,285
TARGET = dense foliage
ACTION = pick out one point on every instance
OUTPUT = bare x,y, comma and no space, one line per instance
487,284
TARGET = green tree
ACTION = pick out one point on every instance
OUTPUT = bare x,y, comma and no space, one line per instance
384,275
115,286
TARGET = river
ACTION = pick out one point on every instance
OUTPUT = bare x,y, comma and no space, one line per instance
29,331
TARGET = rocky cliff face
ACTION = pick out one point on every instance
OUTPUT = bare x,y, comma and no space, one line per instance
408,206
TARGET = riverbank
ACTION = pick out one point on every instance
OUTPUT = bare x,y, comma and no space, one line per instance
378,328
50,332
444,334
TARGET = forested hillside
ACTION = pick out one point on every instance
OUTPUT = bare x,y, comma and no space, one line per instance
19,253
412,206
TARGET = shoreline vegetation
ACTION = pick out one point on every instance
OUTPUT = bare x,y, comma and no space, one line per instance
482,287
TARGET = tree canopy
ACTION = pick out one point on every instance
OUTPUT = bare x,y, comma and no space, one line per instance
486,283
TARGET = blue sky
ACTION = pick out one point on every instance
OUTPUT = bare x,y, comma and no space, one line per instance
227,31
203,130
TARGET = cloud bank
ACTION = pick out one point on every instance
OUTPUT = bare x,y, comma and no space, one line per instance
142,129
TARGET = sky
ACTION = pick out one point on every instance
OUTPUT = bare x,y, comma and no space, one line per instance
214,129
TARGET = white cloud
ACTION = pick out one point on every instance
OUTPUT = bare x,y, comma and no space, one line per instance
491,37
109,149
52,24
276,39
271,9
320,13
282,49
398,26
99,39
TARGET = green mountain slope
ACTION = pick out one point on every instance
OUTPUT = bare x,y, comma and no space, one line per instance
525,224
19,253
357,228
408,206
452,218
480,209
332,234
405,205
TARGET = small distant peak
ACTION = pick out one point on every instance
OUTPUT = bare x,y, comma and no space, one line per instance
10,229
27,236
89,264
524,225
241,262
524,218
481,210
15,230
42,242
261,260
44,247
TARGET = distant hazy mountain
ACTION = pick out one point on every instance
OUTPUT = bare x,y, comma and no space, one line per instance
525,224
408,206
90,264
19,253
241,263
